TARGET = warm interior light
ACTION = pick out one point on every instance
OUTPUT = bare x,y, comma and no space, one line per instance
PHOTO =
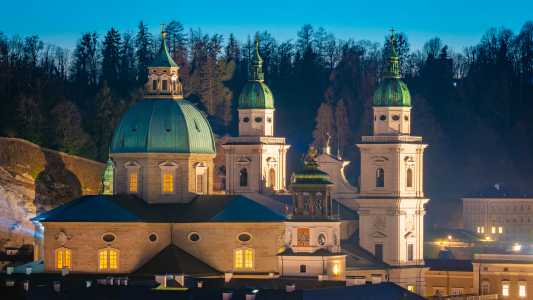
488,238
336,270
517,247
449,237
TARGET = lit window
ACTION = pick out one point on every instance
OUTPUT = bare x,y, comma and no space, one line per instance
168,183
500,229
505,290
482,229
108,259
248,259
336,270
238,259
493,229
522,290
478,230
133,182
63,259
411,288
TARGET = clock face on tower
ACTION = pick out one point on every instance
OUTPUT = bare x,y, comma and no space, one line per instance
379,222
409,223
303,237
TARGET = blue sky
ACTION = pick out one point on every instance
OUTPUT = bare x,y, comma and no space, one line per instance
457,23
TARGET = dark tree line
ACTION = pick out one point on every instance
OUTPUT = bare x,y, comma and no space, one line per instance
471,105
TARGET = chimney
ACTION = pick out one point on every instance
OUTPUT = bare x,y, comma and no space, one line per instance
290,287
57,286
250,296
10,282
124,280
110,280
350,280
164,284
199,283
321,277
376,278
64,271
26,285
228,275
180,278
88,282
360,280
159,278
28,270
227,295
9,269
271,274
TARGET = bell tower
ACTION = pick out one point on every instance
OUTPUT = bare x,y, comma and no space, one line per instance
391,205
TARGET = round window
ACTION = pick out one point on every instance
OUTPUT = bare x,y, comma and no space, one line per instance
258,119
245,120
406,118
321,239
269,120
395,117
244,237
152,237
383,118
194,237
108,238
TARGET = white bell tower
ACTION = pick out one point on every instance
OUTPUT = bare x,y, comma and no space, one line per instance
391,204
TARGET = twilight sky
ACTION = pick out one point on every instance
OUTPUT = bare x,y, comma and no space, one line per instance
457,23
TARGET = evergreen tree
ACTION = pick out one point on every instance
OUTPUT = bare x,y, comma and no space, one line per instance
143,42
342,126
111,58
324,126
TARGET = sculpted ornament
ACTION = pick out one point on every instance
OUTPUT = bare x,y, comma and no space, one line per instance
409,223
379,222
63,238
281,237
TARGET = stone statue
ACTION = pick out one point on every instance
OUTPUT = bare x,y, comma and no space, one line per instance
328,138
293,178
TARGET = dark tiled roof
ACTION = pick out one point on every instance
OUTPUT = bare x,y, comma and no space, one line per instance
174,260
501,190
319,252
130,208
301,283
449,265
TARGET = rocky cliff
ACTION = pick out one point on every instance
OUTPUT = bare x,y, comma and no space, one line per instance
34,180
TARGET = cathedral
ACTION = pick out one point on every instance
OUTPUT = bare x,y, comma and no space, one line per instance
157,213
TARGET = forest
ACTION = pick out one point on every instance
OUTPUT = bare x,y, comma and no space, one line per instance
473,106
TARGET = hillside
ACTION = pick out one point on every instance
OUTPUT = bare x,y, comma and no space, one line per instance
34,180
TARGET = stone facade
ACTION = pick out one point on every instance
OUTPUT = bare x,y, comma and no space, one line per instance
150,166
334,166
447,283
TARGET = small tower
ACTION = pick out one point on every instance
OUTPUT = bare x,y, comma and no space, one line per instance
107,178
391,201
312,232
256,161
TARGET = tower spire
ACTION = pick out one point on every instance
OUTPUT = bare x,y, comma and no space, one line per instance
163,33
391,66
256,73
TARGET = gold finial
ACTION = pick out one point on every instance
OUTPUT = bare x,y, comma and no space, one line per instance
312,151
256,42
392,34
163,33
109,155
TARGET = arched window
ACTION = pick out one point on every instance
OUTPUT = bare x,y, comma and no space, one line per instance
243,177
409,177
63,258
244,258
272,178
108,259
380,178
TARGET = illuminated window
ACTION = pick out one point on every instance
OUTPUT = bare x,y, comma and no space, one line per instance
63,258
505,290
500,229
108,259
336,270
133,182
248,259
411,288
409,177
493,229
522,290
168,183
380,178
478,230
238,259
482,229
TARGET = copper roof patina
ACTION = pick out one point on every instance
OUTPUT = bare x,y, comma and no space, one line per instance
163,58
256,94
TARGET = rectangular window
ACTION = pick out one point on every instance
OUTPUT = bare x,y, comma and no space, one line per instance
411,288
506,269
59,259
500,229
303,269
493,207
514,218
200,184
521,230
485,268
507,230
485,289
238,259
113,259
154,85
248,259
168,183
164,85
103,259
378,251
482,229
133,183
514,229
507,207
528,218
410,252
522,290
482,207
67,259
505,290
507,218
501,207
500,219
493,219
529,207
521,219
514,207
521,207
493,229
478,230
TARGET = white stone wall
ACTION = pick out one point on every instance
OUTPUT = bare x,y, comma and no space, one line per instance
265,126
397,120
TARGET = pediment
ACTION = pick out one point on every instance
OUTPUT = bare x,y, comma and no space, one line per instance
379,159
243,159
410,234
377,235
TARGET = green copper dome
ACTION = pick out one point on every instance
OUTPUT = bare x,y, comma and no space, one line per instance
163,126
312,175
256,94
392,91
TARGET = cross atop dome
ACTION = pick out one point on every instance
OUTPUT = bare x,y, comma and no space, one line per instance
163,33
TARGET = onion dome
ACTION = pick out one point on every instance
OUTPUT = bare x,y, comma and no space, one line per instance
163,126
392,91
311,174
256,94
